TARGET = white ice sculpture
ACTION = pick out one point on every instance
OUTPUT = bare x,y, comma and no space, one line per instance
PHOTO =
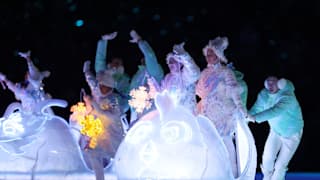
39,145
172,143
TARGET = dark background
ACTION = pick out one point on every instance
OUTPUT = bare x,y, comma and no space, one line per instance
266,37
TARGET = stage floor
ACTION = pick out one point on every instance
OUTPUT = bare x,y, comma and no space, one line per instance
297,176
289,176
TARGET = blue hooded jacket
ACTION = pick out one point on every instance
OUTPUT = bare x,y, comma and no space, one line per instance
281,110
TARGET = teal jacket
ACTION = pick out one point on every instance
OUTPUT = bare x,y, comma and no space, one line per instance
151,67
281,110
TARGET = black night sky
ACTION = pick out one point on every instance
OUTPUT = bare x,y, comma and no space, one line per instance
266,37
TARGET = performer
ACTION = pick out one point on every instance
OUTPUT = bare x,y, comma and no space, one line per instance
30,91
115,66
105,104
149,68
278,105
220,96
181,80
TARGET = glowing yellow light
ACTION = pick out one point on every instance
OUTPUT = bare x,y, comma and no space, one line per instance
141,99
80,107
79,111
91,126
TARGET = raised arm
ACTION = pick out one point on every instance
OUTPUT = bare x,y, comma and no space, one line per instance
90,78
34,75
33,71
101,52
153,67
190,71
12,86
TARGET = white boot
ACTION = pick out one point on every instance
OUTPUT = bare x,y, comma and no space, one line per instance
267,174
279,173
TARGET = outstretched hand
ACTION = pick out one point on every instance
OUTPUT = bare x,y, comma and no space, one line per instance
86,66
25,55
250,118
135,36
179,49
2,77
179,52
110,36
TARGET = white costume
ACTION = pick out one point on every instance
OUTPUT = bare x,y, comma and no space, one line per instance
220,97
30,92
181,84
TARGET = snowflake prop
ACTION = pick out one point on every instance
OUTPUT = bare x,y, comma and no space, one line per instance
141,99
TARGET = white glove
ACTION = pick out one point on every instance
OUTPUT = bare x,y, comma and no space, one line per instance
2,77
180,54
179,49
25,55
250,118
135,36
86,66
109,36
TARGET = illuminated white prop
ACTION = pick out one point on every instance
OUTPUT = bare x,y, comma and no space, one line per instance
12,126
19,128
172,143
37,143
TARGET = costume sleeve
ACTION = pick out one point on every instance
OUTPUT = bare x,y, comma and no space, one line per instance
153,67
91,80
101,54
259,104
280,107
190,72
138,78
12,86
234,90
32,69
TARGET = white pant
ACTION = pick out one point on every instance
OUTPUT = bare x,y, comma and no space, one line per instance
228,141
277,153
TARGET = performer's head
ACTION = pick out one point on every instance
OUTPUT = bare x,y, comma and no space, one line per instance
105,82
116,62
173,64
211,57
273,84
116,65
214,50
